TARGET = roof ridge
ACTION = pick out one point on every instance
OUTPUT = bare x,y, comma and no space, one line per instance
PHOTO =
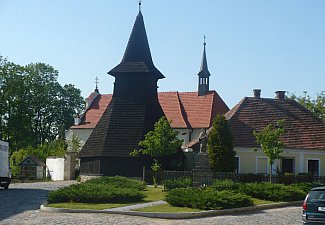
236,109
183,112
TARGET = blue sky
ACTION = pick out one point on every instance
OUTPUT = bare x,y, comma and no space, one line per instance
271,45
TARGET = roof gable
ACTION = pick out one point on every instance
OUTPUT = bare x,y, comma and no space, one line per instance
31,161
303,130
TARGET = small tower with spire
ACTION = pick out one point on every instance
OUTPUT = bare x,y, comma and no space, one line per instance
132,112
204,74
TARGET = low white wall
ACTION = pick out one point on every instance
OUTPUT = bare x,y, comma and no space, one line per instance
55,168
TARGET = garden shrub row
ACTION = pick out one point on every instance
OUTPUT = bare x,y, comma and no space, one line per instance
265,190
182,182
207,199
101,190
229,194
119,182
273,192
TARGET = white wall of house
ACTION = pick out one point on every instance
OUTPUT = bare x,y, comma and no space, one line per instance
55,168
83,134
303,161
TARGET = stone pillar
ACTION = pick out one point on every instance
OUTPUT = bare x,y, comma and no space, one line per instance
70,165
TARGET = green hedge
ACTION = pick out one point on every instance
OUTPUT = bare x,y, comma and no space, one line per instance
273,192
207,199
119,182
225,185
182,182
101,190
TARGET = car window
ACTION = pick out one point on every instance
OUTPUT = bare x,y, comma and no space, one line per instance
316,196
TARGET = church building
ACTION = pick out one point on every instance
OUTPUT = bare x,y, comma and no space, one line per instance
113,124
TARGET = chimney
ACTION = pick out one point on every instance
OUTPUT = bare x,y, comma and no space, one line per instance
280,94
77,119
257,93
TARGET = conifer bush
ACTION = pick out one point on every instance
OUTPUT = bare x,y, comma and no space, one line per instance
182,182
101,190
273,192
119,182
207,199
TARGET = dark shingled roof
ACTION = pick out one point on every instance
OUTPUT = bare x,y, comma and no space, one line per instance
303,130
137,56
123,124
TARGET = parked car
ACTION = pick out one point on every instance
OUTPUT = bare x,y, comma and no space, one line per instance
314,206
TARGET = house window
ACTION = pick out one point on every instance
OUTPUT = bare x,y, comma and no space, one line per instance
287,165
313,167
261,165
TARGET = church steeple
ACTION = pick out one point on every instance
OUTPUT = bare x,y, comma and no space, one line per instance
204,74
137,56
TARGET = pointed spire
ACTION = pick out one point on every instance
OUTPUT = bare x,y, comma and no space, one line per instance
137,56
96,82
140,5
204,72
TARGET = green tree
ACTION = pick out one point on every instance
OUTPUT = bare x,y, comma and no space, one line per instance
269,141
220,147
34,107
316,106
161,141
74,144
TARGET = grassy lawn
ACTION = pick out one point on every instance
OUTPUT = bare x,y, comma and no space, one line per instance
152,194
261,202
75,205
169,208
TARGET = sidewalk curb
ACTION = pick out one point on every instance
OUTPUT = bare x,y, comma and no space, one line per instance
187,215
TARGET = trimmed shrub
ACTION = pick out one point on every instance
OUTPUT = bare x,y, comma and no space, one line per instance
273,192
101,190
225,185
207,199
119,182
183,197
182,182
213,199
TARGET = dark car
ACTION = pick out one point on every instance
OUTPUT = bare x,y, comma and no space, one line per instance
314,206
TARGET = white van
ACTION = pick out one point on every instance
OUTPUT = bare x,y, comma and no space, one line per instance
5,176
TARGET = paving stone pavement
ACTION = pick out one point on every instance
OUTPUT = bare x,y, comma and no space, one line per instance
20,205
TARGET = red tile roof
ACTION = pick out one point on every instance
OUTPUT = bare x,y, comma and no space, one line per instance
94,112
303,130
200,110
184,109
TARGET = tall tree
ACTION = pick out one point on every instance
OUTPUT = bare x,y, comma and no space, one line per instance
316,106
270,143
34,107
220,147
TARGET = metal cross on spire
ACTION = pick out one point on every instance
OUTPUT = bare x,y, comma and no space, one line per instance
96,82
139,4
